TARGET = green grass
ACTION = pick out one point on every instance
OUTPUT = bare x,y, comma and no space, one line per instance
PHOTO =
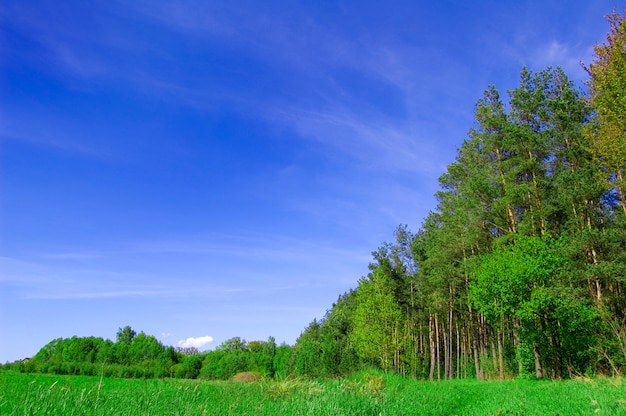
364,394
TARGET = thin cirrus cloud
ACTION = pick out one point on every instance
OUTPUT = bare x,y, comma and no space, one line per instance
62,43
95,295
367,134
265,247
363,134
556,53
379,143
540,54
308,122
237,267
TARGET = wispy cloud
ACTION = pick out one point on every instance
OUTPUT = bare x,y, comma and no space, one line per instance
378,144
65,295
320,62
60,44
72,255
555,53
252,245
54,137
63,279
82,291
209,266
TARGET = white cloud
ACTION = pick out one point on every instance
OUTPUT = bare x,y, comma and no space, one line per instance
166,334
555,54
195,342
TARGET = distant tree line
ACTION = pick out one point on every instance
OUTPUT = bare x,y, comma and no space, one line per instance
143,356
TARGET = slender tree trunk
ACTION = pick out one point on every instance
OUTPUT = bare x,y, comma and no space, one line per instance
422,350
464,341
458,351
484,342
437,348
509,211
538,366
538,204
450,341
474,341
592,256
501,352
394,345
494,355
431,337
446,351
516,344
555,342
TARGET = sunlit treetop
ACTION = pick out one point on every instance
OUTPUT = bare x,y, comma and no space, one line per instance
607,94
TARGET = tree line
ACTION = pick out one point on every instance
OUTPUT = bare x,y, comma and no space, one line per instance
135,355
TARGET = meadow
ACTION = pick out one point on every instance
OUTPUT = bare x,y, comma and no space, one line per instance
367,393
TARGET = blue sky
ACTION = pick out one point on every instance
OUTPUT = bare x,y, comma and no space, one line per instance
210,169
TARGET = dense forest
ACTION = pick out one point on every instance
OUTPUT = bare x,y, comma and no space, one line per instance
520,271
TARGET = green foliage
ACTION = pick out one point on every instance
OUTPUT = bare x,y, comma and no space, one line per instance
508,280
377,319
606,88
146,357
338,356
236,356
125,335
267,357
283,362
189,368
233,344
324,348
307,351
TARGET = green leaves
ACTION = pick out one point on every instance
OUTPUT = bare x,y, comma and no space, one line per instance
607,90
125,335
507,278
377,318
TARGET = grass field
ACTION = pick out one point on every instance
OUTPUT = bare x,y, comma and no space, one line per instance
364,394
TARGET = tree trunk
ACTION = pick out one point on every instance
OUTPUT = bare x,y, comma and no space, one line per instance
558,361
458,351
501,352
437,348
474,341
494,355
516,344
432,347
464,347
484,341
538,366
509,211
446,352
538,205
450,339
